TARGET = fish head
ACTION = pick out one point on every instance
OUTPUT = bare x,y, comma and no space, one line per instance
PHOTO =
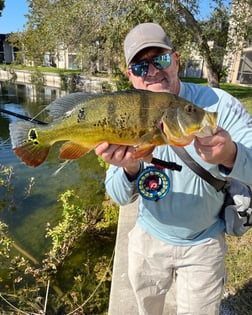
180,125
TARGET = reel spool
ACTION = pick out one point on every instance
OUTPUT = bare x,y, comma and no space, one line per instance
153,184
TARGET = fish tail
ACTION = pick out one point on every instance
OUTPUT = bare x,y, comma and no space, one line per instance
26,143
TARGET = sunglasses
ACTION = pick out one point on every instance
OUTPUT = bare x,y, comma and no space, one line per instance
160,62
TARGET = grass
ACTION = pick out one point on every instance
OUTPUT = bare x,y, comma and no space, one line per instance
238,289
243,93
41,68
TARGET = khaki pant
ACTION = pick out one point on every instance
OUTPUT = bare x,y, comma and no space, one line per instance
199,274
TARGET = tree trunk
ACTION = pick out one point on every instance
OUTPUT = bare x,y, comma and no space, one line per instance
212,74
212,77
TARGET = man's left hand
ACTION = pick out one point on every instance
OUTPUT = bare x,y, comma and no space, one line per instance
217,149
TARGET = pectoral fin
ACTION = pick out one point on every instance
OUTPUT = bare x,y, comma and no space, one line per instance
72,151
143,150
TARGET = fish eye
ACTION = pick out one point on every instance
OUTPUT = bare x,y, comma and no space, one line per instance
190,109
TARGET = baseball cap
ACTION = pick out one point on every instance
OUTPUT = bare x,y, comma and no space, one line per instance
142,36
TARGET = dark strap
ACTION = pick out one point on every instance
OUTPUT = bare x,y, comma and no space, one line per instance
218,184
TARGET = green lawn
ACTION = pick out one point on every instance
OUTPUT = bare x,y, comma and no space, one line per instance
239,256
243,93
238,289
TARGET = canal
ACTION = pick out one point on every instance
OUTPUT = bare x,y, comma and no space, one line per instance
31,203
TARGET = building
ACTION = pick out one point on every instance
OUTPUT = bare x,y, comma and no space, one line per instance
244,71
7,52
240,69
238,60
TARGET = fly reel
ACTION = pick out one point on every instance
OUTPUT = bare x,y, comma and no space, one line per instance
153,184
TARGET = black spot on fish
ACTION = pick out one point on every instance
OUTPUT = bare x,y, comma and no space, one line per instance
81,114
122,120
101,123
32,136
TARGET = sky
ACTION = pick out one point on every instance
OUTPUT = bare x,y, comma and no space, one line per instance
12,18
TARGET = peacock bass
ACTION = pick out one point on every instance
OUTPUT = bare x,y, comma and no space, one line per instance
135,118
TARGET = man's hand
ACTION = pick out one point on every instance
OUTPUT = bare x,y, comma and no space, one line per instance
119,155
217,149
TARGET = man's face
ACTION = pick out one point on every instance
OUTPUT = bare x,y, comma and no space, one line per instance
156,80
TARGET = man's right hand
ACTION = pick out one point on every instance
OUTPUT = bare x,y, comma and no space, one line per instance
119,155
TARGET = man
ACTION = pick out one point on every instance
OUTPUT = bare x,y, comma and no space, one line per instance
181,236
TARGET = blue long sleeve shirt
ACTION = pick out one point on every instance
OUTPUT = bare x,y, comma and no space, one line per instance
189,213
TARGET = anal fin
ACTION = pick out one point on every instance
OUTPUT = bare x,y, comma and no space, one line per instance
72,151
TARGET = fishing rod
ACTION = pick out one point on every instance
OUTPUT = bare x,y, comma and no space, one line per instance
5,111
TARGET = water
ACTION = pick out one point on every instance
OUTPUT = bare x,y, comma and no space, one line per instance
34,200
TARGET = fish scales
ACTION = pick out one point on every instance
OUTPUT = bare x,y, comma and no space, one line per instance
116,116
122,117
139,118
113,116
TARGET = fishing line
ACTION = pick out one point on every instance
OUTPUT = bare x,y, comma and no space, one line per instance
23,117
39,122
62,165
42,110
8,112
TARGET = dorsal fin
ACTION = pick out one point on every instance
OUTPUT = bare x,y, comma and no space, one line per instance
61,106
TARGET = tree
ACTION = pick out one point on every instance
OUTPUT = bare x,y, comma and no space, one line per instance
1,6
179,17
206,33
96,29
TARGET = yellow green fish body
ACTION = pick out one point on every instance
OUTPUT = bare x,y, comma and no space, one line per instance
139,118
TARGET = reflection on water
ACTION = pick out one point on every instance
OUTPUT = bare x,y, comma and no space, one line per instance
36,190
